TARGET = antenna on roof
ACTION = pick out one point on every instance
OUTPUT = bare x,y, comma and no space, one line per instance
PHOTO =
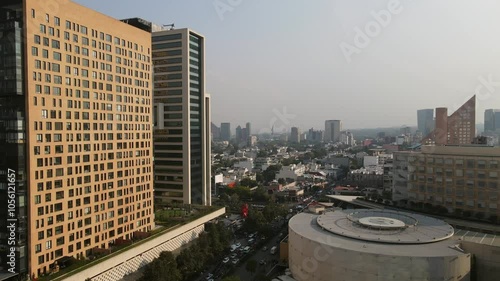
172,26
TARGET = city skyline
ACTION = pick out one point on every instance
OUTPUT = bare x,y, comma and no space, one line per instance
314,87
112,156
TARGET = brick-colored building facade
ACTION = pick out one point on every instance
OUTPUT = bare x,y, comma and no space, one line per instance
87,129
458,128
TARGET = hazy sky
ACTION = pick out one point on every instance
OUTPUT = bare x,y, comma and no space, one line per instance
298,63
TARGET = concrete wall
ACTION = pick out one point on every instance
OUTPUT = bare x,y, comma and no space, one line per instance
283,251
486,260
313,261
370,161
148,249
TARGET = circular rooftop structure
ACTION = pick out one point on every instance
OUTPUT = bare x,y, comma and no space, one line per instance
385,226
371,244
381,223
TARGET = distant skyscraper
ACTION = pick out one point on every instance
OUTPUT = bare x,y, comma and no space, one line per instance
491,120
244,135
215,131
332,130
239,133
295,135
314,136
425,120
249,128
225,131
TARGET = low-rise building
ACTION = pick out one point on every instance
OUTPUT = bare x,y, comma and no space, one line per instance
460,178
370,161
246,163
372,176
291,172
388,175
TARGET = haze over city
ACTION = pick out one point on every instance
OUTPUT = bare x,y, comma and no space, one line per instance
270,57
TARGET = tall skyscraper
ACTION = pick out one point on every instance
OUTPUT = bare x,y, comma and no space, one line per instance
239,133
314,135
295,135
249,128
75,132
215,131
225,131
491,120
458,128
425,120
182,115
332,130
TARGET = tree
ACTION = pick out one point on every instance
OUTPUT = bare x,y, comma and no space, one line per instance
270,173
255,221
235,198
164,268
248,182
262,277
251,266
319,152
262,153
289,161
232,278
272,211
260,195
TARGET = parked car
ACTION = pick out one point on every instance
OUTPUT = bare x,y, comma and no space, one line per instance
233,255
273,250
225,260
235,261
264,249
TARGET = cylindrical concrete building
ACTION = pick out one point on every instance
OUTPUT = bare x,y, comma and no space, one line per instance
374,245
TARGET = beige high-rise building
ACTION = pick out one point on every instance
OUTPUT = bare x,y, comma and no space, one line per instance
81,115
460,178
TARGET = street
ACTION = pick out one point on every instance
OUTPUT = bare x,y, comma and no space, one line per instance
222,269
259,255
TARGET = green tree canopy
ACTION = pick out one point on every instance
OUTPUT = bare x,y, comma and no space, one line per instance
248,182
164,268
270,173
232,278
